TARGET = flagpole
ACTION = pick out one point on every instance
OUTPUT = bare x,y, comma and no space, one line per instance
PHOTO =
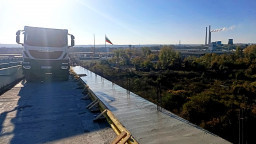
94,46
105,45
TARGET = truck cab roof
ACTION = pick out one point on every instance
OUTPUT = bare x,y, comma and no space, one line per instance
41,28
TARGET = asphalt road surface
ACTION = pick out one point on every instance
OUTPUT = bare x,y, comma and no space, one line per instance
49,112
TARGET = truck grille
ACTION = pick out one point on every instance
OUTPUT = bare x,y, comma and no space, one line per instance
45,55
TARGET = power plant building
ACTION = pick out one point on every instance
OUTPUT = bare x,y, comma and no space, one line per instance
215,46
230,41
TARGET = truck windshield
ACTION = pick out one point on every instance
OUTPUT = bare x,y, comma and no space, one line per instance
45,37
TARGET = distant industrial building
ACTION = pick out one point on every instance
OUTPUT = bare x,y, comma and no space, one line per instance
230,41
217,45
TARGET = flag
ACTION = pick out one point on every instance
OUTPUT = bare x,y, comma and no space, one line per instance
107,40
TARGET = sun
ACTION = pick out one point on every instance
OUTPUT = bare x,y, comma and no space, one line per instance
15,14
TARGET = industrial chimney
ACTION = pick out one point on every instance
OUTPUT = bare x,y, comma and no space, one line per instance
206,36
209,35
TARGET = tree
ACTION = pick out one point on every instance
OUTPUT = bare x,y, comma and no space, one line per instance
146,51
117,55
136,61
167,56
239,52
250,51
203,106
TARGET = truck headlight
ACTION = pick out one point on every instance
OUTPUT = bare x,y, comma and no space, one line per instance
27,67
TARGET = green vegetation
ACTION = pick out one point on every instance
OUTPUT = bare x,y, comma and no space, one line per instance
209,91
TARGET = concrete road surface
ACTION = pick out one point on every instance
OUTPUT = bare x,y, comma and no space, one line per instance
49,112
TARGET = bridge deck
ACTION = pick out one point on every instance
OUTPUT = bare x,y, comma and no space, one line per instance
141,118
49,112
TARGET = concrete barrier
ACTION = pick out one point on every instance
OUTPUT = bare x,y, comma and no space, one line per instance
4,65
9,71
9,75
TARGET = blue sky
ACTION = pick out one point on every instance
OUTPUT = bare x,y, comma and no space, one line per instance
133,21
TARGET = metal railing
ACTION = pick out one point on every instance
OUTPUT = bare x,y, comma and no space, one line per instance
9,64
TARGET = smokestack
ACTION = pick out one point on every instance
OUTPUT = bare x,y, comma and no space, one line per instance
209,35
206,36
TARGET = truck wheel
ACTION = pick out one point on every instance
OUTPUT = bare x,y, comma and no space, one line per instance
31,77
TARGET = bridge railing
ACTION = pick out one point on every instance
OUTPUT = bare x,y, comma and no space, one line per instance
4,65
9,64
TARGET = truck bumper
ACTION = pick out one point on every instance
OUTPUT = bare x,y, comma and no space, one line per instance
41,67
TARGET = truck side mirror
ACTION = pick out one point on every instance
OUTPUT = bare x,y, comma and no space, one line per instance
18,37
72,40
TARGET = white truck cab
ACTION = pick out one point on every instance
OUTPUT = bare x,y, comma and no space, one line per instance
45,52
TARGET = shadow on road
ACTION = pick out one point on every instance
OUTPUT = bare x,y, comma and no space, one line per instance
50,111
